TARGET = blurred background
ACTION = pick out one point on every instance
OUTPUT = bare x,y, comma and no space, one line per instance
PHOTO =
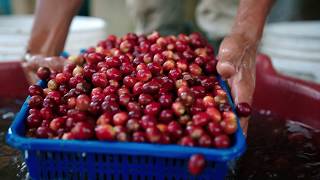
291,38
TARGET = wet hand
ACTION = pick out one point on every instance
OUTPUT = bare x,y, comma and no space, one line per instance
237,65
31,65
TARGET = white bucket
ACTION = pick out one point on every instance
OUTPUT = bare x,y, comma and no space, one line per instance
15,33
294,48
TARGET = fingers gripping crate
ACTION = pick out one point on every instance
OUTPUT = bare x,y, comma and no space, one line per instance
74,159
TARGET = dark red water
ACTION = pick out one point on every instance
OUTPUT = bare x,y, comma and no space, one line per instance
277,149
11,163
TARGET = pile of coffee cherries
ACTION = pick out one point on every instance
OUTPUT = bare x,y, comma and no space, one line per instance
136,88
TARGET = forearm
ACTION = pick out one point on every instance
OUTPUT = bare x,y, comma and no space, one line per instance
51,26
251,17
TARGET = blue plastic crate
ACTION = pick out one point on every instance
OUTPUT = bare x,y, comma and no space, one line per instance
75,159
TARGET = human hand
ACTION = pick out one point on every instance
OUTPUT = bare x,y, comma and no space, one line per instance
32,63
237,65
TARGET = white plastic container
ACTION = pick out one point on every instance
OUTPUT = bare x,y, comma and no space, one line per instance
294,48
15,33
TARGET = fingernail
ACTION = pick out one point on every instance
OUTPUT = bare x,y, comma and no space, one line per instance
226,69
226,65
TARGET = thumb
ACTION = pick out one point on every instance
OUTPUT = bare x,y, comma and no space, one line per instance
229,56
243,84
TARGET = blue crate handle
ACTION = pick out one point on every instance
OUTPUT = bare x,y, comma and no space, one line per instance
15,137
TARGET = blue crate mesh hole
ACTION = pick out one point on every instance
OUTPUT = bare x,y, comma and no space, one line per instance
70,165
